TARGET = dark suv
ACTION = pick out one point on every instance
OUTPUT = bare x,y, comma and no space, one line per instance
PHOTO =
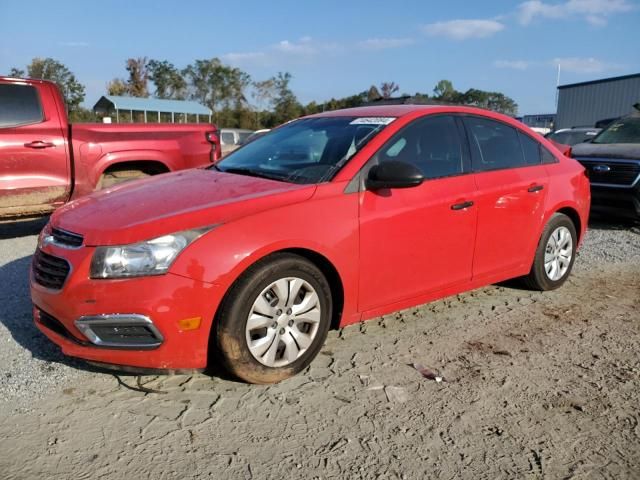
612,160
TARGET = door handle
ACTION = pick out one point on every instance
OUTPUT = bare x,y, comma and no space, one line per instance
39,144
535,188
462,206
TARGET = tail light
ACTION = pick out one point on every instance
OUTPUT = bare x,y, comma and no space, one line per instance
216,149
568,152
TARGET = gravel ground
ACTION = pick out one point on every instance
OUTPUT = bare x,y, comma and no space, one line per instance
538,385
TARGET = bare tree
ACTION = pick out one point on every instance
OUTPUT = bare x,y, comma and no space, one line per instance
387,89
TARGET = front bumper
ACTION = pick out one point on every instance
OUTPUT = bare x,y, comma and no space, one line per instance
618,201
164,299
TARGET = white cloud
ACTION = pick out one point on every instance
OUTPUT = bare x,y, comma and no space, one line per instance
463,29
304,49
513,64
242,58
384,43
584,65
595,12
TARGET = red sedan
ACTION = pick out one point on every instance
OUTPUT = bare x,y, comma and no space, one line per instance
325,221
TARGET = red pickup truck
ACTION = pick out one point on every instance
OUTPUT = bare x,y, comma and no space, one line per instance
45,161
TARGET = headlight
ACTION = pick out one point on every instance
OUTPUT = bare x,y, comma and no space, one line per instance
153,257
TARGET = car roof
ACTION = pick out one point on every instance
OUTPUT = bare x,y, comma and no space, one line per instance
402,110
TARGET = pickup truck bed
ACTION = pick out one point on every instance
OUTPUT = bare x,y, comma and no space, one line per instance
45,161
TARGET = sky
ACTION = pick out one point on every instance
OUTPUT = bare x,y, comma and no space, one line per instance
336,48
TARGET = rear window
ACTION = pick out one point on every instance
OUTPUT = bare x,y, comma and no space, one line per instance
494,145
624,130
19,105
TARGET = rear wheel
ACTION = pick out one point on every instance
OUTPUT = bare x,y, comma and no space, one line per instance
274,320
555,254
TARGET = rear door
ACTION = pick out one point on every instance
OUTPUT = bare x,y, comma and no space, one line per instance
420,239
512,187
34,166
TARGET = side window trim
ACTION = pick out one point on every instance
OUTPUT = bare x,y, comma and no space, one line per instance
42,118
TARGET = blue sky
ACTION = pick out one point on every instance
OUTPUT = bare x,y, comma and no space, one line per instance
338,48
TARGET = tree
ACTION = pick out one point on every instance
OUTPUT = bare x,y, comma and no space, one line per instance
138,77
16,73
387,89
117,87
286,105
373,94
445,92
50,69
169,81
495,101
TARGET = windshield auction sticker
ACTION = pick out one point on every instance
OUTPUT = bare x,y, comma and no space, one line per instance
372,121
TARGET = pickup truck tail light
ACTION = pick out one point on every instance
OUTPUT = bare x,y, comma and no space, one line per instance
216,149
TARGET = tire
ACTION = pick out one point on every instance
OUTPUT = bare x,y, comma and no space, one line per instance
543,276
261,337
109,179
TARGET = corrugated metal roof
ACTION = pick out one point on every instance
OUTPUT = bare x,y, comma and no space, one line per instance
600,80
156,105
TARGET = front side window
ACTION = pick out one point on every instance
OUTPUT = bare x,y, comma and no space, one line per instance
310,150
432,144
624,130
494,145
19,105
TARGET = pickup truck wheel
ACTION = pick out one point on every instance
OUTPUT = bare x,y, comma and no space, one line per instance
555,254
109,179
274,319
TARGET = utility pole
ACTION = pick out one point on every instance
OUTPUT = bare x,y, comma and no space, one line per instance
557,85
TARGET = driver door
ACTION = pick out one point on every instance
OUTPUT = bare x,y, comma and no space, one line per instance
421,239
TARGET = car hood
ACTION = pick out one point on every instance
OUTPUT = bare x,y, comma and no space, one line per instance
172,202
607,150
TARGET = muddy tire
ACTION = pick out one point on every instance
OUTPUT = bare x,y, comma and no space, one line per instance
555,255
109,179
274,320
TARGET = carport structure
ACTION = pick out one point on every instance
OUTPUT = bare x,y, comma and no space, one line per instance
153,110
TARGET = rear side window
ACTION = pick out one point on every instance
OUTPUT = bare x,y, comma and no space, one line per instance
547,156
530,148
19,105
494,145
432,144
228,138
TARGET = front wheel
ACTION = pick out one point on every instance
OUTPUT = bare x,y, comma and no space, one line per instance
555,254
274,320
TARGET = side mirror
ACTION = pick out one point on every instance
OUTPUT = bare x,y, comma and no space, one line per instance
393,174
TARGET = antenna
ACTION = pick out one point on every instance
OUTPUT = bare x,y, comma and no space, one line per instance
557,85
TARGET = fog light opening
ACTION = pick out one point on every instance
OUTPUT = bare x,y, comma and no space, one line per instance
127,331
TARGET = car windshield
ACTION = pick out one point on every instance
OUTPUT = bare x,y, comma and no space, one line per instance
624,130
310,150
571,137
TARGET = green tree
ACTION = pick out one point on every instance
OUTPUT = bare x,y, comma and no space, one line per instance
117,87
285,104
50,69
168,80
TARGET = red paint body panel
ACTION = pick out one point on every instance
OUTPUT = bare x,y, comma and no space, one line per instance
38,180
391,249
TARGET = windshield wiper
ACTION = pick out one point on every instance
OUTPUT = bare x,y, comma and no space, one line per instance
252,173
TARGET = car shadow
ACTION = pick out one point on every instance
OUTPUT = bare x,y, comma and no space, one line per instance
17,316
22,228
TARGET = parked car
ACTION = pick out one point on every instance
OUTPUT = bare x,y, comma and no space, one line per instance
256,134
45,161
328,220
573,136
232,138
612,159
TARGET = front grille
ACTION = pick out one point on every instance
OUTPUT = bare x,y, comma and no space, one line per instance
66,239
620,173
50,271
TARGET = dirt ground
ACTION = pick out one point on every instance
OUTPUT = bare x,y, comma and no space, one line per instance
538,385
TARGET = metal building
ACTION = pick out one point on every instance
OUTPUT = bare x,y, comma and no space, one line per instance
152,110
584,104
